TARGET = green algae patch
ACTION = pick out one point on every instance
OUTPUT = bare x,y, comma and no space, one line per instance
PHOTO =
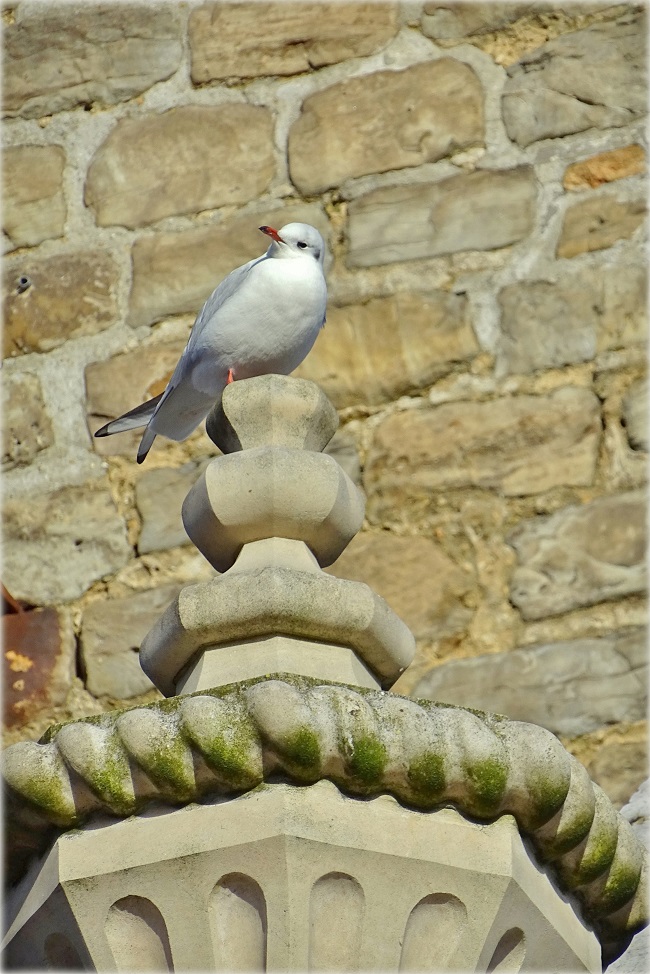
110,781
368,759
426,776
598,855
622,884
572,831
302,749
488,780
165,765
546,796
46,793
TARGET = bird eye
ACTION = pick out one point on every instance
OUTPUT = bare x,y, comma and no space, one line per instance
302,244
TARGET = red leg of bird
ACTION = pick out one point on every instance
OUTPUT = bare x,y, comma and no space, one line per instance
230,378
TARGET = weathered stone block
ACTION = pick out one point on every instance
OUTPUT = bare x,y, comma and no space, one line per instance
428,219
26,426
113,53
399,119
56,545
111,633
120,383
159,496
244,40
605,167
182,161
32,192
520,446
546,325
450,20
635,415
177,272
597,223
375,352
570,687
51,300
580,556
591,78
39,662
619,768
417,579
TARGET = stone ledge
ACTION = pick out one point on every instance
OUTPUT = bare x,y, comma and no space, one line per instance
366,742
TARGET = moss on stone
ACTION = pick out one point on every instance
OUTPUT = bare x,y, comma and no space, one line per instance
488,779
547,794
571,832
622,884
426,775
598,855
368,759
166,766
302,748
231,759
108,781
47,794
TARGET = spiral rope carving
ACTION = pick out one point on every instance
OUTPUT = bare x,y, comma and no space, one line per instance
426,755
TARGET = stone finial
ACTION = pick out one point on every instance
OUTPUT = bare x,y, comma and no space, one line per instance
269,515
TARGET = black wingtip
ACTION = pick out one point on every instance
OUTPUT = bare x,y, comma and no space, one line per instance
103,431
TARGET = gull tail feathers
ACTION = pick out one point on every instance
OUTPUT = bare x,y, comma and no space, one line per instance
146,443
132,420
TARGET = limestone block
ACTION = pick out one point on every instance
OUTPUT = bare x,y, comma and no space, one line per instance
26,426
521,445
619,768
580,556
111,633
635,415
176,272
605,167
597,223
49,300
570,688
284,868
399,119
272,410
38,662
34,207
590,78
56,545
159,496
120,383
428,219
275,654
415,576
624,317
152,167
376,351
548,324
451,20
272,492
275,588
113,53
240,40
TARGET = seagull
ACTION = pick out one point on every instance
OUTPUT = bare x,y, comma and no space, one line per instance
264,317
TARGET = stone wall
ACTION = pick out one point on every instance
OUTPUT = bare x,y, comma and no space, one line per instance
478,170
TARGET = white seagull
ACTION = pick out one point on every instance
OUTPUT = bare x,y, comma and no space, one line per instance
264,317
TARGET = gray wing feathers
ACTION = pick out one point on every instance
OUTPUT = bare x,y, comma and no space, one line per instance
219,297
139,416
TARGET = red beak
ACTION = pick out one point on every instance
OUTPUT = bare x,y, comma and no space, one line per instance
272,233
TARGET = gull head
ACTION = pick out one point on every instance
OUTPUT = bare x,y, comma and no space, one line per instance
296,240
